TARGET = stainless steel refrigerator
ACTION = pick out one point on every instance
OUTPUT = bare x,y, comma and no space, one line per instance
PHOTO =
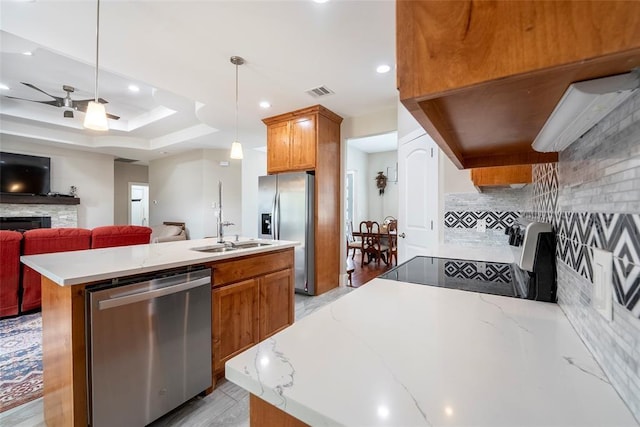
286,212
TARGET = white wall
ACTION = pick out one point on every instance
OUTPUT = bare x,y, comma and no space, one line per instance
183,187
358,162
455,180
381,206
254,165
91,173
124,173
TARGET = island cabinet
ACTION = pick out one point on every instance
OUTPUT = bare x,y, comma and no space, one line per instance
252,299
482,77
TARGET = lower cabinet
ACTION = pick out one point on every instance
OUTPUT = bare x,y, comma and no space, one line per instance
277,304
234,320
246,310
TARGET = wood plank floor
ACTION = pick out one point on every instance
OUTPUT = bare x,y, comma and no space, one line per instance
362,275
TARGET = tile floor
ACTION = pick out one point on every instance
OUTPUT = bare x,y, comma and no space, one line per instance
227,406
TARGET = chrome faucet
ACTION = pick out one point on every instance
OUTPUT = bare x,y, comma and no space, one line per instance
221,223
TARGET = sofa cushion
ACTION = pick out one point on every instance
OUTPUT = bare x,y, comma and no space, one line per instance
9,272
44,241
119,235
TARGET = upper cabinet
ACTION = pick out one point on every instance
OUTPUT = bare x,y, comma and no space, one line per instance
293,139
501,175
482,77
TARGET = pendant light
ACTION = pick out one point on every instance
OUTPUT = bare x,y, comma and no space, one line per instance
96,115
236,147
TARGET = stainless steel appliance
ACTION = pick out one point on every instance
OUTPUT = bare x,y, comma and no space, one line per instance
286,212
148,346
534,249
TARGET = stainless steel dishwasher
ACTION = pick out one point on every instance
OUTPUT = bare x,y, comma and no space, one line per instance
148,346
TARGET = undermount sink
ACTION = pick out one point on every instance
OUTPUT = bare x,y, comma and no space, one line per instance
244,245
214,249
236,246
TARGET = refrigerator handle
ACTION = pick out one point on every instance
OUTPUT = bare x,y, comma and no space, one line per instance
275,215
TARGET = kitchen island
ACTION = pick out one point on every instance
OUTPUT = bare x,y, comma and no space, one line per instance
399,354
252,284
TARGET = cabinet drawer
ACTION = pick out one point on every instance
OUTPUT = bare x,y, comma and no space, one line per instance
251,266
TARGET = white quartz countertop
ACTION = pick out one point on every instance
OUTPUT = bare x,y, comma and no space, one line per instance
398,354
91,265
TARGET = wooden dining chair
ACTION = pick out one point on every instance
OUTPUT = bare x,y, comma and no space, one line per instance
371,245
352,243
392,241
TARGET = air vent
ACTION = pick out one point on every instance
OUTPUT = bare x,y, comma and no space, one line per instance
319,91
123,160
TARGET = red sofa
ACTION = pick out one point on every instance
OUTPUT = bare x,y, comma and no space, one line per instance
21,293
119,235
43,241
9,272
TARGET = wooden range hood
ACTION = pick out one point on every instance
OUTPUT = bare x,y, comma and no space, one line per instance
482,77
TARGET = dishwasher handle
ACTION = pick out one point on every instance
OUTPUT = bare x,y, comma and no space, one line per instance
147,295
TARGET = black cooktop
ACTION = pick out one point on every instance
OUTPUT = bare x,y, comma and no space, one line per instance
476,276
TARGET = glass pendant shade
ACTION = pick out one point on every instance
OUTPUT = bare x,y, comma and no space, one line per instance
236,151
96,116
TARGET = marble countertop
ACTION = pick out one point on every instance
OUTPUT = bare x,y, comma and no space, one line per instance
76,267
502,254
398,354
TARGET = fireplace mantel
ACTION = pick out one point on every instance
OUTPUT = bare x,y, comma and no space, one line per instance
26,199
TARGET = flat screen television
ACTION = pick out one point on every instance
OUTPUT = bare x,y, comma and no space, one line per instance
23,174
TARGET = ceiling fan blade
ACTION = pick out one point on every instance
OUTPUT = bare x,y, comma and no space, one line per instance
40,90
54,103
113,117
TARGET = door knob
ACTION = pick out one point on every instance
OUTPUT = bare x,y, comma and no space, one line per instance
402,235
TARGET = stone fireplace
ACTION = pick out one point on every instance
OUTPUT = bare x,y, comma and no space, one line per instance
61,212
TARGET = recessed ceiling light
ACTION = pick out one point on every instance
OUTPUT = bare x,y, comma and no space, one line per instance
320,1
265,104
4,86
134,88
27,53
384,68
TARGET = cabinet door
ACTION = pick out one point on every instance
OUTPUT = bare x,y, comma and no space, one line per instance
278,147
303,143
276,302
234,321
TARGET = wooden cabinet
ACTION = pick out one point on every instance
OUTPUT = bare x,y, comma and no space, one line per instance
291,145
277,303
482,77
252,299
501,175
309,140
295,139
234,320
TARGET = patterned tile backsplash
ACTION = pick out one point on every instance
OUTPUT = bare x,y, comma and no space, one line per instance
498,207
592,199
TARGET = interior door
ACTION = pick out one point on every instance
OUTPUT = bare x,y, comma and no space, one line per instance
418,226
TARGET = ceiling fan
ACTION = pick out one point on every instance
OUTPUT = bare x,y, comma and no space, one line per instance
65,102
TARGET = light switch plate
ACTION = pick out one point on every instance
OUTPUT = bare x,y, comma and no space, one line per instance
481,225
602,298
